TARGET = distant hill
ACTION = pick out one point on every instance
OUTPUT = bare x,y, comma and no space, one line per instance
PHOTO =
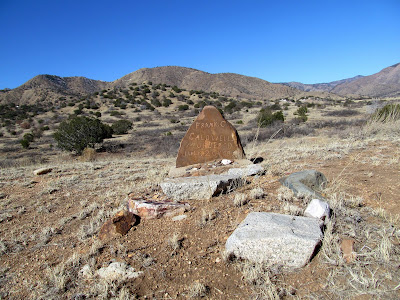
385,83
320,87
229,84
47,88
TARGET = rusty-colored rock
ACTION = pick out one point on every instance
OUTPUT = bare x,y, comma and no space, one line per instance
151,209
209,138
347,247
119,224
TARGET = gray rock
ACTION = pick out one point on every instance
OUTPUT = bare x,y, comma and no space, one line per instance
275,239
118,271
306,183
199,187
249,170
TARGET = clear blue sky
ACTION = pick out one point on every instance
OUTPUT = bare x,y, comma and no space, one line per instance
279,41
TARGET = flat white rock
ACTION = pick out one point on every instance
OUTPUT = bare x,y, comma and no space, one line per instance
117,271
275,239
317,209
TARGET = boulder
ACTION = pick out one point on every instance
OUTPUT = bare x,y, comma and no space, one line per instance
306,183
275,239
199,187
119,224
317,209
209,138
151,209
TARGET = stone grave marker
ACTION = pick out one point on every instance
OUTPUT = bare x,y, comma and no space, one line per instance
209,138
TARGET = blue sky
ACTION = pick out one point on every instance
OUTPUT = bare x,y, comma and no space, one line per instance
279,41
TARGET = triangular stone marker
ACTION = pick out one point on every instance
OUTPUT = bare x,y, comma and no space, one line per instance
209,138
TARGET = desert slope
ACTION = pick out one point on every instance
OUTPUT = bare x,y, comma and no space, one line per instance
385,83
224,83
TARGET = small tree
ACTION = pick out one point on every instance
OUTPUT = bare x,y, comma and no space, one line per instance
266,117
79,133
121,126
302,113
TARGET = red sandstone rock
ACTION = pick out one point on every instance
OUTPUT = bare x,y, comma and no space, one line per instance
120,224
209,138
151,209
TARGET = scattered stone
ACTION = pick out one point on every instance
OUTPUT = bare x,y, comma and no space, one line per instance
275,239
86,271
179,218
226,162
199,187
249,170
347,247
317,209
42,171
209,138
151,209
306,183
119,224
118,271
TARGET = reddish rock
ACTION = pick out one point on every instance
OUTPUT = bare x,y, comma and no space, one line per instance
347,247
209,138
119,224
150,209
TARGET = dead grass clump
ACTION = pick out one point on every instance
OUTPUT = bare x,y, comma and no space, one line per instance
240,199
207,216
197,290
175,242
342,113
257,193
88,154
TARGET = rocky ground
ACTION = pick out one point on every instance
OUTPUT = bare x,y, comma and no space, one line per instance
49,226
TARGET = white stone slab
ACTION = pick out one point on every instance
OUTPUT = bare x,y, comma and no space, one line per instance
317,209
275,239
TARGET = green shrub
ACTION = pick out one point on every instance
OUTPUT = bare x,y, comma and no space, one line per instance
390,112
28,137
80,132
266,117
24,143
302,113
121,126
183,107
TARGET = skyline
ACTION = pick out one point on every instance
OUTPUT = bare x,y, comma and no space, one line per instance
308,42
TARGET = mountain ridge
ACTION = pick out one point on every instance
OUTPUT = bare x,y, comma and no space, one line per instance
42,88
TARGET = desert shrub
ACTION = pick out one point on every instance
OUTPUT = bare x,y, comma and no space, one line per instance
156,102
166,102
24,143
121,126
97,114
302,113
183,107
342,113
115,113
79,133
390,112
25,125
265,117
29,137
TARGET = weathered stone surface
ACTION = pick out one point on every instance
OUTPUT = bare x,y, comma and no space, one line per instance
152,209
119,224
249,170
42,171
317,209
210,137
199,187
306,183
118,271
179,218
275,239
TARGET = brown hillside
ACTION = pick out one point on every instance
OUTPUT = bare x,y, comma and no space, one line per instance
49,87
385,83
228,84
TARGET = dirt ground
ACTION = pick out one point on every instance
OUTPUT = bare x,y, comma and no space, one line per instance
49,225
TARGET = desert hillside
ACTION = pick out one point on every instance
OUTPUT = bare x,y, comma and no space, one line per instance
385,83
